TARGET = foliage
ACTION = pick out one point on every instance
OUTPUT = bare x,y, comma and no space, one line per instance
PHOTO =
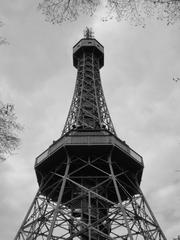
9,140
135,11
58,11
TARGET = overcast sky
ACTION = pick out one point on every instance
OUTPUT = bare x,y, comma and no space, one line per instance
37,75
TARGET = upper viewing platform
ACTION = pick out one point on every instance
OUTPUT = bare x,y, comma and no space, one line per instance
88,44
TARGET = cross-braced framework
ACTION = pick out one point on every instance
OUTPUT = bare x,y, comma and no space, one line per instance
88,108
72,204
89,179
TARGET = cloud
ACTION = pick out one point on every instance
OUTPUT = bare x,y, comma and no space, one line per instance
36,74
166,207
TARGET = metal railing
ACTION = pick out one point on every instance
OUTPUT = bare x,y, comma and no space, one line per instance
89,140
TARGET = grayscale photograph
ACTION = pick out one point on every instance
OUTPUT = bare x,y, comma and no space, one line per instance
90,120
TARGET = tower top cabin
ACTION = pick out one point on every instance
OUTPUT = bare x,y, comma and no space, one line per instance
88,44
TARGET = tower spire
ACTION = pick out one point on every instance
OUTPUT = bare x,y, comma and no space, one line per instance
88,33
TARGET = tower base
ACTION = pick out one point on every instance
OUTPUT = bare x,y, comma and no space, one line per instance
84,210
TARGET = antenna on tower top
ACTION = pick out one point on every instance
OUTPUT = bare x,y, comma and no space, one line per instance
88,33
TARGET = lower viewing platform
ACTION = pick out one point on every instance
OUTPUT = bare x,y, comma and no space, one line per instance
88,138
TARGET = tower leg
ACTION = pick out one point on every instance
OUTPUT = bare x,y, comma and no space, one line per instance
135,218
70,204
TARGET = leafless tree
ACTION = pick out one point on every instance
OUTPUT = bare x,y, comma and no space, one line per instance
135,11
9,127
58,11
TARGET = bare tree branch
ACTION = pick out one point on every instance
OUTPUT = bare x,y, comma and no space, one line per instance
9,127
135,11
58,11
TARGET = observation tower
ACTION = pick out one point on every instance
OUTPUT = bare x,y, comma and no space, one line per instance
89,179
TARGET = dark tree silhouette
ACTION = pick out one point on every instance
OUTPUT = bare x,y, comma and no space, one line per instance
135,11
9,127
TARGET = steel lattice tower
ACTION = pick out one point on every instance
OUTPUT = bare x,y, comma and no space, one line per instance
89,180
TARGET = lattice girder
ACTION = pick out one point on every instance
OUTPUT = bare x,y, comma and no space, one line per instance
89,179
89,213
88,108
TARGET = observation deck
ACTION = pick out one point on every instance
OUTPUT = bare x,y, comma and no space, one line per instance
85,145
88,45
91,138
